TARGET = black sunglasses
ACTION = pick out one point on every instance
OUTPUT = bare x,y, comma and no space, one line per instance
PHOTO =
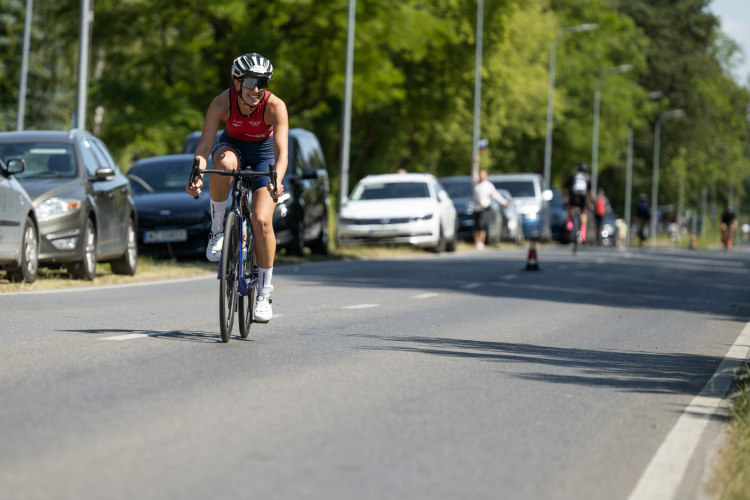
250,83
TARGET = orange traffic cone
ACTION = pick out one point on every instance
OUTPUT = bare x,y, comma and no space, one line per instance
531,262
692,242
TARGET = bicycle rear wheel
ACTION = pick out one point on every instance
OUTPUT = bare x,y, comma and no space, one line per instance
247,302
228,281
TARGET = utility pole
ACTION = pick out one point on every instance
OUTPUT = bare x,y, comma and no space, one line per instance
346,126
87,17
24,66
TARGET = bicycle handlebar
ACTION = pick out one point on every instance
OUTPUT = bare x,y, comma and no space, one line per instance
195,172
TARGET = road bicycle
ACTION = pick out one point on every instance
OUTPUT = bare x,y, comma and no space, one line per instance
238,265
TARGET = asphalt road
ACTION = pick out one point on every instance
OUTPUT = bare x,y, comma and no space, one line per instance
458,376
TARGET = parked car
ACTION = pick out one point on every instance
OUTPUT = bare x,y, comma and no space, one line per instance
301,220
530,200
405,209
19,238
82,201
460,189
512,219
609,233
558,217
170,223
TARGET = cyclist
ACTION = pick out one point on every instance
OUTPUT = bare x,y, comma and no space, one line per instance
256,134
578,193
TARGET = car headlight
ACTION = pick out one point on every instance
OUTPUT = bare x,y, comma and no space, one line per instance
469,208
57,206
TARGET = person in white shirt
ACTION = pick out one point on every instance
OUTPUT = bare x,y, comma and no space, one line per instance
484,193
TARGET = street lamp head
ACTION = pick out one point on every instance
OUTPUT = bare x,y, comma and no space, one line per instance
674,113
587,27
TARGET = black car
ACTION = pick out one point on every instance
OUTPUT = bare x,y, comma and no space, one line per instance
82,201
301,220
170,223
558,217
460,189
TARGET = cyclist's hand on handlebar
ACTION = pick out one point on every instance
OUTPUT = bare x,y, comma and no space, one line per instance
279,191
194,189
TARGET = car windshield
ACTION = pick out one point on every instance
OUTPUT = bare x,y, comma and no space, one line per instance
458,189
390,190
162,177
517,188
43,159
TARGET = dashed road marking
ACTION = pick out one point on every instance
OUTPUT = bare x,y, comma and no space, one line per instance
361,306
470,286
426,295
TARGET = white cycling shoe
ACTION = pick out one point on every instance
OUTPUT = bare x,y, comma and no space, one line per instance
215,244
263,312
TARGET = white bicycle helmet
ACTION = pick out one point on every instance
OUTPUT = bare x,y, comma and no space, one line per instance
252,64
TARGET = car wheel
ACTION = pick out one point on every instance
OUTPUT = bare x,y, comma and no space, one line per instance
85,269
127,263
297,246
451,244
29,265
440,246
319,246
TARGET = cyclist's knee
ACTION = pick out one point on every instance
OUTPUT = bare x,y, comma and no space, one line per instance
225,158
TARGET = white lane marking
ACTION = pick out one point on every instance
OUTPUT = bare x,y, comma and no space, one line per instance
361,306
664,473
130,336
126,336
471,286
426,295
509,277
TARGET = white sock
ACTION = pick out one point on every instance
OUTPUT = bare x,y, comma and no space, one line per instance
217,216
264,281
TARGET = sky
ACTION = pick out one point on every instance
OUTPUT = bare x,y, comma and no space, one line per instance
735,22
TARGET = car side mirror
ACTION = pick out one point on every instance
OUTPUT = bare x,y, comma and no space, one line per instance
547,195
15,166
104,174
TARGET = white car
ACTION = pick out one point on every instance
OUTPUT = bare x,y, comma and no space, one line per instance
404,209
19,237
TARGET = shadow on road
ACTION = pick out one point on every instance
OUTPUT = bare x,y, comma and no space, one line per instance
680,280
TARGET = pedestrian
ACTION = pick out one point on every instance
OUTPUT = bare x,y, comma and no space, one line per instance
642,216
484,193
728,225
600,208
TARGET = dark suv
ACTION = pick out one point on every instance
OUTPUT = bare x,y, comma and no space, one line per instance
301,220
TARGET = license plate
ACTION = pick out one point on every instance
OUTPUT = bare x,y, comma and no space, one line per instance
165,236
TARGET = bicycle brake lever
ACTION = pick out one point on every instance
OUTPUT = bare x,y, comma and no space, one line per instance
193,174
272,171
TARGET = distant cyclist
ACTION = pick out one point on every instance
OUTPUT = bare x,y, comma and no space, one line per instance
256,134
578,192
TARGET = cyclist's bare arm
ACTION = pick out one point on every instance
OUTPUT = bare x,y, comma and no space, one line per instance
276,115
217,112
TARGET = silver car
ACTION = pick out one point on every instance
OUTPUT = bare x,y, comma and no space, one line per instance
19,238
83,205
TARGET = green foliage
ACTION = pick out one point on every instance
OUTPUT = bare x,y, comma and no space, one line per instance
156,65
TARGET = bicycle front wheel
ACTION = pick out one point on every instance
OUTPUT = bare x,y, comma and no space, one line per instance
228,281
247,303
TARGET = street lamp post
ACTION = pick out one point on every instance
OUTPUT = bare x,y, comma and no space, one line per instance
674,113
597,99
551,93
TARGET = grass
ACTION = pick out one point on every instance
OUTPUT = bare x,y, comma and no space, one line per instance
731,478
